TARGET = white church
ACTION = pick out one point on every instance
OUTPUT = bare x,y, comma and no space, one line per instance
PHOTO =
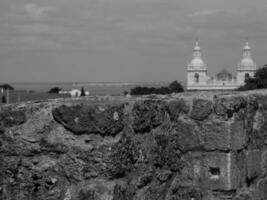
198,79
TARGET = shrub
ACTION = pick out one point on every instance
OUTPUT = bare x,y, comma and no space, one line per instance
55,90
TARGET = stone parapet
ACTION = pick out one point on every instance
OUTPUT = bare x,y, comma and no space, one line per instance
204,145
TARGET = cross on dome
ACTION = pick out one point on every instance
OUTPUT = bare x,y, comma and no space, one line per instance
197,47
247,47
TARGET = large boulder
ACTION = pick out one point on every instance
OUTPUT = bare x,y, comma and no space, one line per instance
82,119
201,109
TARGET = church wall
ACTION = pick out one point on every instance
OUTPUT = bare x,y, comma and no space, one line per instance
213,87
191,80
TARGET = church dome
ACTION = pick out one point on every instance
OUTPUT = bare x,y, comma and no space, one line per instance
247,62
224,75
197,62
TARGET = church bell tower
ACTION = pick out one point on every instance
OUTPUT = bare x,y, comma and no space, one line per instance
247,66
196,69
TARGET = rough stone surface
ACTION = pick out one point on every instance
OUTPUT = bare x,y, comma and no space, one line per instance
202,146
201,109
148,115
81,119
176,107
11,118
228,105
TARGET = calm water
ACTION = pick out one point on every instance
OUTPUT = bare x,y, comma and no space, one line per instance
96,88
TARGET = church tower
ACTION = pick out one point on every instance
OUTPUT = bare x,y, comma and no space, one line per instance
247,66
196,70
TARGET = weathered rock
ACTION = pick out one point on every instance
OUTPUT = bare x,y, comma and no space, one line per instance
89,194
28,181
262,189
185,136
201,109
163,175
244,196
148,114
264,163
123,193
144,180
166,152
221,135
221,171
175,107
182,187
81,119
93,189
12,118
123,157
253,161
226,106
260,99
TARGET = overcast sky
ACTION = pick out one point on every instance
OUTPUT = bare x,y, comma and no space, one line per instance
125,40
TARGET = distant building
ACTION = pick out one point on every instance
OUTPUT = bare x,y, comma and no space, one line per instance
197,72
75,93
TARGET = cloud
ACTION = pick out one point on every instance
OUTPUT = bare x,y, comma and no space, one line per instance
37,12
204,13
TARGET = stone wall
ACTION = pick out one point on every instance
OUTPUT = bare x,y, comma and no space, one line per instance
198,146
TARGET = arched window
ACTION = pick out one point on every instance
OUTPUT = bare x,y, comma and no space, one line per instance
196,77
247,76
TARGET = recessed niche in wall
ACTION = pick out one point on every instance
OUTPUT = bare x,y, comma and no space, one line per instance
214,172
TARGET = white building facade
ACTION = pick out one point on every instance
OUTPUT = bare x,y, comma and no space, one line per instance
197,72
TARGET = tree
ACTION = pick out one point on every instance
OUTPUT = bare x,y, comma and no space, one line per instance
82,92
261,77
176,87
250,84
259,80
6,87
55,90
